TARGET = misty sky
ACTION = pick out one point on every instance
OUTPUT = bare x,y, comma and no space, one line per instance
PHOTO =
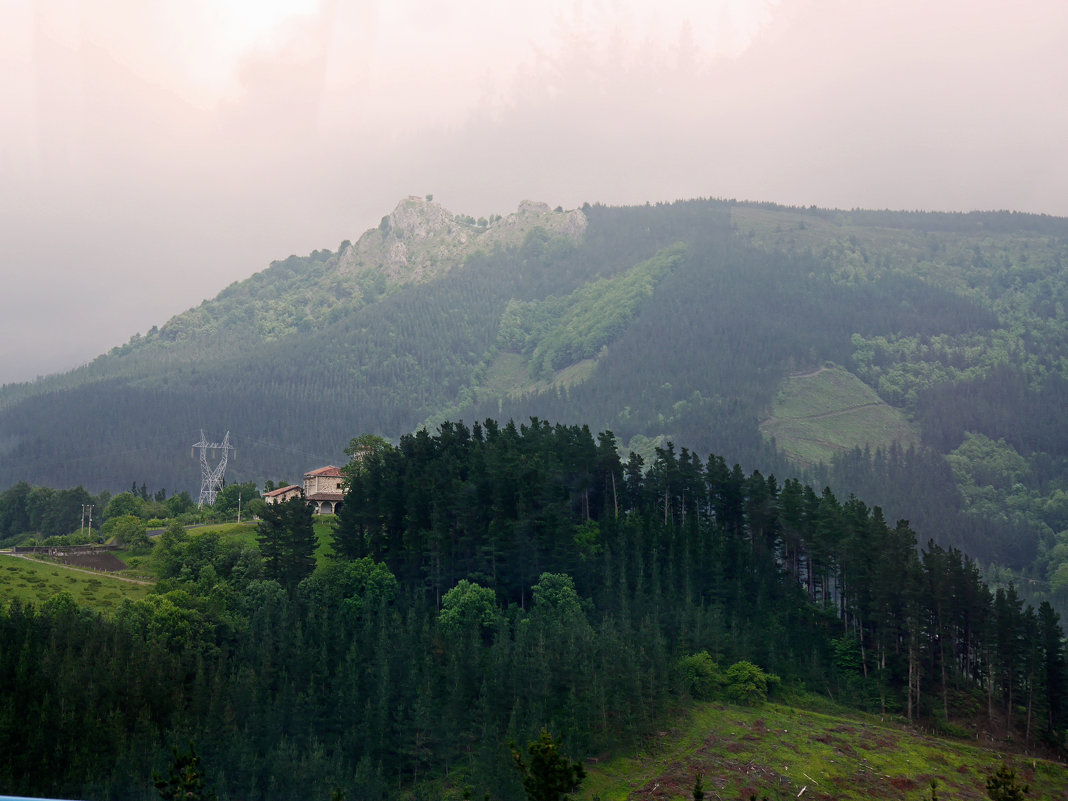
152,153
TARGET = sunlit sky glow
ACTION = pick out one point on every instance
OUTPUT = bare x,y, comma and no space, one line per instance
154,152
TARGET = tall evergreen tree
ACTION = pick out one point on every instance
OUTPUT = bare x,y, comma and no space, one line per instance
549,775
286,535
185,780
1056,671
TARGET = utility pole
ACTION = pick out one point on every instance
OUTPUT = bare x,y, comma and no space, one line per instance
90,521
239,507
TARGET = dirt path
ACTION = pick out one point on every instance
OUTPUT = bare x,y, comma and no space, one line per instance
822,415
78,569
833,412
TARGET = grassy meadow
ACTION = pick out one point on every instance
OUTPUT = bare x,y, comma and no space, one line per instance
779,752
35,581
825,412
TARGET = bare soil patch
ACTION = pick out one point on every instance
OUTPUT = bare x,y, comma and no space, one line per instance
102,561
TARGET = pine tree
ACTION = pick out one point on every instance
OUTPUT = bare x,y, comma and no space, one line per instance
287,541
550,775
185,779
1056,671
1002,786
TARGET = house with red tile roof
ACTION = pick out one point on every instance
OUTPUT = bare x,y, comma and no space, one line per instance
323,489
282,494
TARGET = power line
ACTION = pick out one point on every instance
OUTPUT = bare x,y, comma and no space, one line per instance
293,451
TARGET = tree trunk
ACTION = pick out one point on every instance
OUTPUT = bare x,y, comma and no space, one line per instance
1030,698
945,692
1008,708
990,700
912,679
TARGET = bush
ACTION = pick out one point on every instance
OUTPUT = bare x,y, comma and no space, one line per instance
128,530
700,676
748,684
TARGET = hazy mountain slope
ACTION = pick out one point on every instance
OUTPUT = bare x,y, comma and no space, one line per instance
958,321
419,241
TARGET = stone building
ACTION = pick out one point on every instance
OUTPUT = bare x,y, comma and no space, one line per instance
323,489
282,494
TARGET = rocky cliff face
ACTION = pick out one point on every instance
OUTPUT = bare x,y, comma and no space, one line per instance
420,239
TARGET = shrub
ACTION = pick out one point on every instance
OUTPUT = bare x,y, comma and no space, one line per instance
700,676
748,684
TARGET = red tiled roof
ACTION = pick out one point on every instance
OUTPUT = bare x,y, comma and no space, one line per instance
327,496
280,491
327,471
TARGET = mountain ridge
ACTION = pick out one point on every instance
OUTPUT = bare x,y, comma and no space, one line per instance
956,321
418,241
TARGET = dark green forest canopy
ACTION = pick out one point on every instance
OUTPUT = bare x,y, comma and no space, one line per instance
956,320
728,320
495,579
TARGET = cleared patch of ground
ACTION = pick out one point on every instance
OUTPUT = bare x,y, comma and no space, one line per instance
508,375
104,561
822,412
784,752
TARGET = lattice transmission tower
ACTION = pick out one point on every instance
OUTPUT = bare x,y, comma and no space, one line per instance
211,479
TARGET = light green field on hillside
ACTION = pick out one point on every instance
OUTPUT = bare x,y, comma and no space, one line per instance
827,411
34,581
783,752
509,375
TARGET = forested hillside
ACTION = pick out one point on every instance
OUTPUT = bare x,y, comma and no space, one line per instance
496,579
660,322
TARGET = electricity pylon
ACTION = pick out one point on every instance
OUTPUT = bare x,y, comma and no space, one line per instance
211,479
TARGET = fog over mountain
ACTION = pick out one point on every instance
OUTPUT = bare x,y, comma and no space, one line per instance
153,154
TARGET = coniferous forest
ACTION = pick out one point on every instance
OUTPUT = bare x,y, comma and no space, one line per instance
491,580
677,322
487,580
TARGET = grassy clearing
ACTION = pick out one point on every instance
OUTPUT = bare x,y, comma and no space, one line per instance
138,565
777,750
243,533
828,411
812,393
33,581
324,532
509,375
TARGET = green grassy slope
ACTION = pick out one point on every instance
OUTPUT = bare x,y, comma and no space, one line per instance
783,752
33,581
821,413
